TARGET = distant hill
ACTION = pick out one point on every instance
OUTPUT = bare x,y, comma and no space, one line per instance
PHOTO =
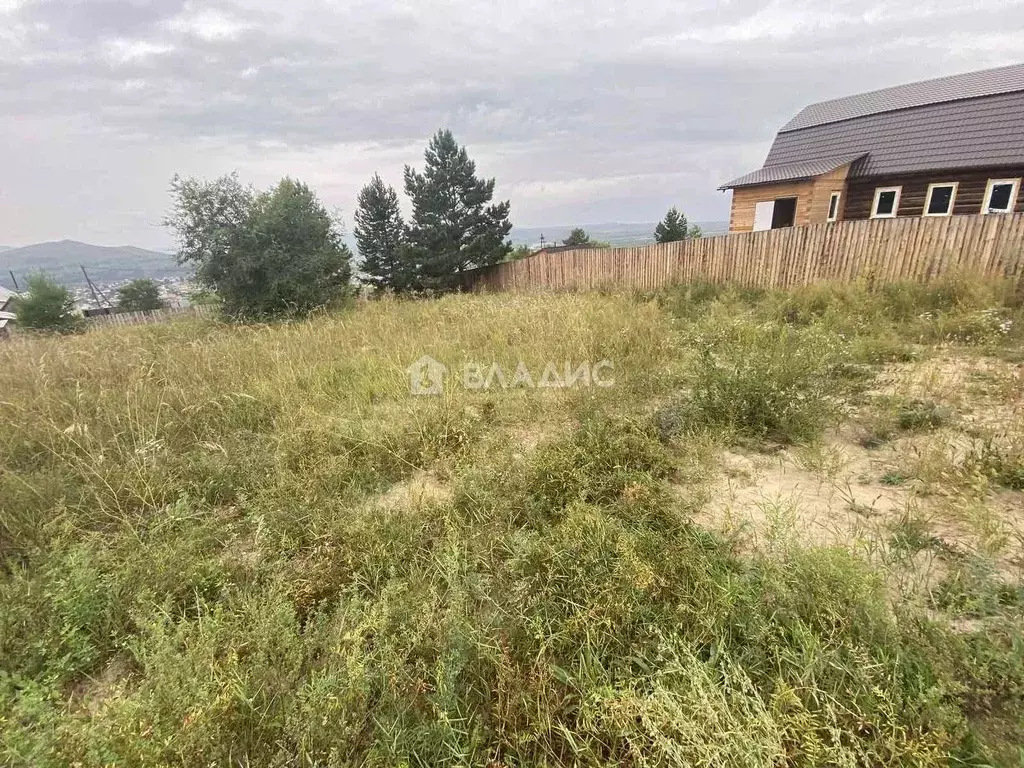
614,233
63,262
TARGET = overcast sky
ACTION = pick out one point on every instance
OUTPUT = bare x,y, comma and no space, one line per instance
584,111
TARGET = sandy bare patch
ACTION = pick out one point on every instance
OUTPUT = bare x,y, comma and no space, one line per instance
420,490
985,391
833,495
761,498
90,693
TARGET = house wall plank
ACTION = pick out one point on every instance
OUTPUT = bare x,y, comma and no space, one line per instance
860,193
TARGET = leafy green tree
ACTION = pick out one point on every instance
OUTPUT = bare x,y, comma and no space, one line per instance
675,227
380,234
265,254
519,252
578,236
203,297
47,306
142,295
454,225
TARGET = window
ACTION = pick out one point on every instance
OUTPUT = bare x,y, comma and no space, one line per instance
784,214
940,199
833,206
887,202
1000,196
774,214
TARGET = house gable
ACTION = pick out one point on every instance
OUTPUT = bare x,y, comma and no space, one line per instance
962,132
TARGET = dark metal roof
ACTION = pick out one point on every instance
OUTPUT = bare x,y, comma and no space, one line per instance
807,169
970,85
987,131
974,120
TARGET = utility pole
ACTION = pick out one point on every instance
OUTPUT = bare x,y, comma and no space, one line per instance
94,290
14,280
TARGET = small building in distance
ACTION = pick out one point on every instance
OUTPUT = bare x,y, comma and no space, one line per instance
6,316
954,145
560,249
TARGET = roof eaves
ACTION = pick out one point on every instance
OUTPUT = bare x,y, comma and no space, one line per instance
777,174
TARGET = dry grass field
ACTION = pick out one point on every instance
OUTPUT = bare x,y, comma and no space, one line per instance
791,533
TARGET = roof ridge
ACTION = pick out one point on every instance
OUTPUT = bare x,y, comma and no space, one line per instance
965,85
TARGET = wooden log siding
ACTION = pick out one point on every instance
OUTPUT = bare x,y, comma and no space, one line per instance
970,194
882,250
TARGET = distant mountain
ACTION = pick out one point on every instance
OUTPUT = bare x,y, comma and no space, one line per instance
614,233
106,265
63,261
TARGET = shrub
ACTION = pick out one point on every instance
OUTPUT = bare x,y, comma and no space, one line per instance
921,414
599,463
886,417
265,254
141,295
691,300
47,306
767,382
1001,459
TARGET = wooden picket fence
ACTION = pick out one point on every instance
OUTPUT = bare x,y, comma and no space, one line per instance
882,250
152,316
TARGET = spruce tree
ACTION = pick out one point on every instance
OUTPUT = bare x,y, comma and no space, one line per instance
379,232
454,225
675,227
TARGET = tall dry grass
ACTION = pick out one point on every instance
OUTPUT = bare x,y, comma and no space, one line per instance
249,545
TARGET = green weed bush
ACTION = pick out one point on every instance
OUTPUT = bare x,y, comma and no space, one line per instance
999,458
766,382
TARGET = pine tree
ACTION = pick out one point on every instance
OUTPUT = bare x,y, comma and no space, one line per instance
379,232
675,227
454,227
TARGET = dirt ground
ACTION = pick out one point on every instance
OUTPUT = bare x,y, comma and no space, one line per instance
863,493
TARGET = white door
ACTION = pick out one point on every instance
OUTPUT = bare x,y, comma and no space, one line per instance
763,213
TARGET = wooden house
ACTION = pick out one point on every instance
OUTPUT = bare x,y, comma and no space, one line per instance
954,145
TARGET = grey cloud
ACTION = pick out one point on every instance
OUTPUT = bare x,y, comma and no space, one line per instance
577,109
86,20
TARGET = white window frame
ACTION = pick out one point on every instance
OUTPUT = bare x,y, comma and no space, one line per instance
879,191
838,197
952,198
988,194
